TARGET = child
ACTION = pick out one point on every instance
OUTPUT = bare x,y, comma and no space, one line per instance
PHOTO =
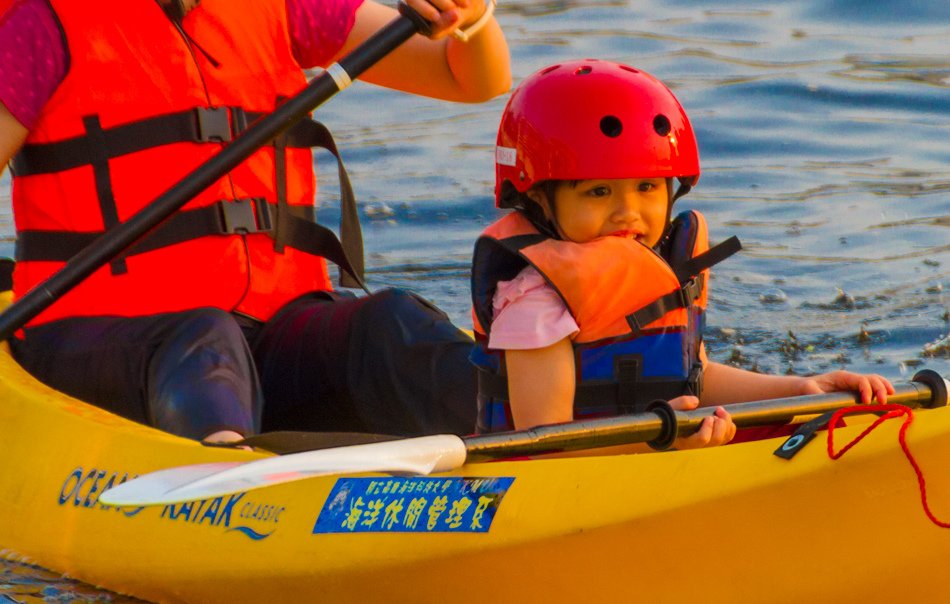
588,299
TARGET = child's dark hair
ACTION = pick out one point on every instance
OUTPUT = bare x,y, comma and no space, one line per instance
512,198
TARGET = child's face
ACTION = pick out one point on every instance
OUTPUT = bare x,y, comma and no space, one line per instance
635,208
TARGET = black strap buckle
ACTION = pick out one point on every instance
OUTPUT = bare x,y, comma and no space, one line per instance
245,216
691,290
213,124
694,383
238,121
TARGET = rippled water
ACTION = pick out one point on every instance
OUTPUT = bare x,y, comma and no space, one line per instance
823,129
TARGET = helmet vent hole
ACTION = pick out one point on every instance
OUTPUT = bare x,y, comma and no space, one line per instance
630,69
586,69
611,126
661,124
550,69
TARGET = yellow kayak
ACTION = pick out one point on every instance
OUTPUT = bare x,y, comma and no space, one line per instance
729,524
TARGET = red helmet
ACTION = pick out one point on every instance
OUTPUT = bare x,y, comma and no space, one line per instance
593,119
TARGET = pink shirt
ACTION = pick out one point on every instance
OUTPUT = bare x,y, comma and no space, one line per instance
33,56
528,314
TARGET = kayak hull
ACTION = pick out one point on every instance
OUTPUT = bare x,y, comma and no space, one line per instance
734,523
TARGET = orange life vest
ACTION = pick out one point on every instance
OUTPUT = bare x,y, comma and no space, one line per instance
640,313
140,107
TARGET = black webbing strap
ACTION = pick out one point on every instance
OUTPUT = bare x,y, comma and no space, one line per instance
313,238
311,133
280,185
99,158
223,218
6,274
681,297
803,435
628,397
199,125
707,259
243,216
689,274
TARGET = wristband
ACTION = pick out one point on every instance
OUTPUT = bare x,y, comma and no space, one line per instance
466,35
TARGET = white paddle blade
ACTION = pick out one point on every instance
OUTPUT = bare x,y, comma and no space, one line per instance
160,482
420,456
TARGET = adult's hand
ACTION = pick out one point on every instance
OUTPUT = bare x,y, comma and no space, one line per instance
443,68
448,15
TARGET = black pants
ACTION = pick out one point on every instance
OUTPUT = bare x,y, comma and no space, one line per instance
390,363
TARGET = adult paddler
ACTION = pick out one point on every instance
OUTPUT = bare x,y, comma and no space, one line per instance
229,303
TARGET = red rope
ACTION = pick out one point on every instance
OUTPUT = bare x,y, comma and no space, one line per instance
889,412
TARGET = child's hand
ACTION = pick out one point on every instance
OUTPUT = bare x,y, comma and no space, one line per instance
866,385
717,429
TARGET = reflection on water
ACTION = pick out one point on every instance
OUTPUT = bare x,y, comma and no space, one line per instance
824,149
28,584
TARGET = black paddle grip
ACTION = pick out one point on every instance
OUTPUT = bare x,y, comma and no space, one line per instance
422,26
937,385
671,424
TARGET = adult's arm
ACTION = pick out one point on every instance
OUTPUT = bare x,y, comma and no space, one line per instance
12,135
444,67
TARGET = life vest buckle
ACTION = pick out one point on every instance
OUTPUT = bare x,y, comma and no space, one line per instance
238,121
692,290
213,125
694,383
245,216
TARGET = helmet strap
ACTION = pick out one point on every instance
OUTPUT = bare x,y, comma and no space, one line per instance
683,189
533,211
671,197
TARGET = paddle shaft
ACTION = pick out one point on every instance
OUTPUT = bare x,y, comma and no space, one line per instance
442,453
122,236
655,425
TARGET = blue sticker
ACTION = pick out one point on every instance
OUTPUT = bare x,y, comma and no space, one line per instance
412,505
